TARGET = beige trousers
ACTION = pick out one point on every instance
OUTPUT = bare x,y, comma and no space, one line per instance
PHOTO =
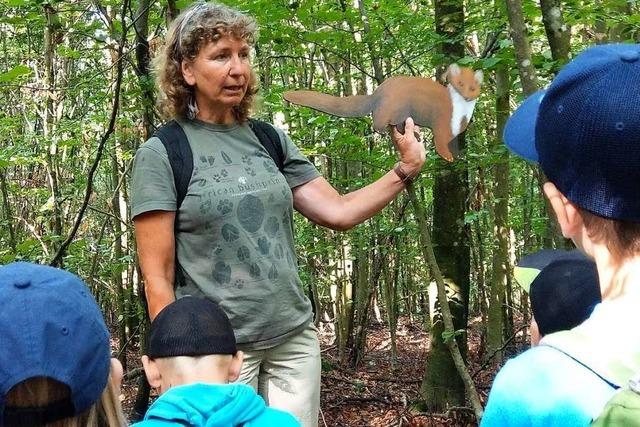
287,376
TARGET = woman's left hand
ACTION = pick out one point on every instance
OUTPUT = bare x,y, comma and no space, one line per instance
410,147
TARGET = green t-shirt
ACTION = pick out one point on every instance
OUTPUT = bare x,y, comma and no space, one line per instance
235,234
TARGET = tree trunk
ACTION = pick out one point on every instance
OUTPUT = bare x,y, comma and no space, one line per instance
528,76
558,32
501,223
442,386
50,43
6,209
142,58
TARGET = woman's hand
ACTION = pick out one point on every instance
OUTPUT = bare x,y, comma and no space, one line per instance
410,147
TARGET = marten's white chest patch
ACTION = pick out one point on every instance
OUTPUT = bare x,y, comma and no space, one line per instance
462,110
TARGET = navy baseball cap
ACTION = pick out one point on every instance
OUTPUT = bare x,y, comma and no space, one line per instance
584,131
564,294
51,327
191,326
529,267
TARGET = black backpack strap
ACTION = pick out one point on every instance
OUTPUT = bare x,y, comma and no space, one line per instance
178,149
180,155
270,140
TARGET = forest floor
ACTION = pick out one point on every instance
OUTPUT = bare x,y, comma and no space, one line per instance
376,394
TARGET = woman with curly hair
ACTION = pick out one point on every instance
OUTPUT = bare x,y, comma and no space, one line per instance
233,236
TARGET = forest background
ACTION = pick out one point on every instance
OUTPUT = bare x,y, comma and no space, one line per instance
77,96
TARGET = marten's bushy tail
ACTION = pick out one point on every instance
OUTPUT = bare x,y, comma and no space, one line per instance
348,106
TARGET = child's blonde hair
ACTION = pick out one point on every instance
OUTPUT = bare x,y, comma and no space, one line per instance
39,392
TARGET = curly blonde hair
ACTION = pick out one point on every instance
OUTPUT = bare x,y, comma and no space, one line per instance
194,28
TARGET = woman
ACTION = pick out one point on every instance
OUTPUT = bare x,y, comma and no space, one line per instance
234,236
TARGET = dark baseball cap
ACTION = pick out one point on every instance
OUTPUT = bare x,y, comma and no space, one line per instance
584,131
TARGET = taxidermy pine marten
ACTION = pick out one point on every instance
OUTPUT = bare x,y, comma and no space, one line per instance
446,110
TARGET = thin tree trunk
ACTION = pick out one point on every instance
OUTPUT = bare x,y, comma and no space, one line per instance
558,32
528,76
447,316
6,209
376,62
50,43
116,275
500,267
142,70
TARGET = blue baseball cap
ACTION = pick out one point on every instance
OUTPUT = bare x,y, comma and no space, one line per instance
51,327
584,131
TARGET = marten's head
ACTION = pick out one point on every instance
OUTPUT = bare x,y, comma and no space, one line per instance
465,81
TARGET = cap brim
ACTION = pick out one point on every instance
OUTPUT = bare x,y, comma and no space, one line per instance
520,131
528,268
525,276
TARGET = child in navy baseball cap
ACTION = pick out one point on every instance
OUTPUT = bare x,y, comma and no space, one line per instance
563,288
55,367
584,132
193,360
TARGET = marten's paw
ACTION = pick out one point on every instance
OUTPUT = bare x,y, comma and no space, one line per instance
444,153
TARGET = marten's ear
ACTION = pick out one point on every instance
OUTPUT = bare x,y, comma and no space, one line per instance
453,70
479,75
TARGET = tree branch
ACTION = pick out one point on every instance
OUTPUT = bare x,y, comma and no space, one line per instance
447,318
103,141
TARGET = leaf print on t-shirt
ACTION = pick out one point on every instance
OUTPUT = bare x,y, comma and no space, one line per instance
243,253
250,213
222,273
254,270
279,252
226,158
230,233
272,226
264,245
273,272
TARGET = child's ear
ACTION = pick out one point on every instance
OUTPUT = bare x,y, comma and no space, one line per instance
569,217
152,372
235,366
116,373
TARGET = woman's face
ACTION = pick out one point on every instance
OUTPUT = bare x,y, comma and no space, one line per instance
220,75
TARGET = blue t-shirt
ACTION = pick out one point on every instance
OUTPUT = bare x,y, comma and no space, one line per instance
544,387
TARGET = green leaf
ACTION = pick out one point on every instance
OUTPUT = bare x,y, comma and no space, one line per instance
16,3
446,336
181,4
14,73
490,62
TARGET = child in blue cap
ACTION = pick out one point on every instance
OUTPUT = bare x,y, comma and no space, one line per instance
584,131
192,359
55,368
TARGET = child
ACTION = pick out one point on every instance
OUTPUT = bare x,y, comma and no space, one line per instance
55,368
584,131
191,359
563,291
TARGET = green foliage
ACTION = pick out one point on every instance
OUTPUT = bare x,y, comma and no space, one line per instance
53,119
